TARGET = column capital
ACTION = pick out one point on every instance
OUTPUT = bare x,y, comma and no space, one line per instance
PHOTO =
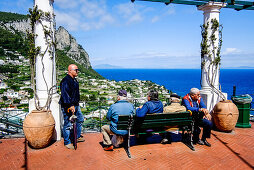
212,6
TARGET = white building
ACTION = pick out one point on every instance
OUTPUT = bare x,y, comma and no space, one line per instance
3,85
12,94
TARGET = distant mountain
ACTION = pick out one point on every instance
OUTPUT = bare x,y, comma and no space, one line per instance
106,66
240,67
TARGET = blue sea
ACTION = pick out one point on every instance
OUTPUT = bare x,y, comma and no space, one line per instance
181,80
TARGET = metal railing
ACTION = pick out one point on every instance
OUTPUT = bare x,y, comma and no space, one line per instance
11,121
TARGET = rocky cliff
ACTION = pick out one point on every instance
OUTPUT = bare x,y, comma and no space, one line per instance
20,25
64,41
73,50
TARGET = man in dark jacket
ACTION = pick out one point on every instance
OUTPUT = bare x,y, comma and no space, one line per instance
70,104
121,107
153,105
195,103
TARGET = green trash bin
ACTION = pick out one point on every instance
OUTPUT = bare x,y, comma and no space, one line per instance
243,104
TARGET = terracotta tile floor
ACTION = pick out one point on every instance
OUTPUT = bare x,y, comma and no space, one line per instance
229,151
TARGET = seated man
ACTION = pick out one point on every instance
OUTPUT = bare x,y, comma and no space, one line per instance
121,107
175,105
153,105
195,103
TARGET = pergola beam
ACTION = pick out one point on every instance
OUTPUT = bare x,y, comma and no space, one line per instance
237,5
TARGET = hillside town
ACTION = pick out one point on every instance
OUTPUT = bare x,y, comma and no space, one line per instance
96,94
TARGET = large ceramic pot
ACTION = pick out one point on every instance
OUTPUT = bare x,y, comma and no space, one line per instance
38,128
225,115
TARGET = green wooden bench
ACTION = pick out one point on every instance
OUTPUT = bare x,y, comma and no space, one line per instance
158,122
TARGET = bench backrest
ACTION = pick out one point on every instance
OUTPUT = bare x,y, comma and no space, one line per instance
157,120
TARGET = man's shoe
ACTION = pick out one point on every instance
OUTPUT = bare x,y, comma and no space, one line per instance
81,139
108,148
206,143
164,141
200,142
69,146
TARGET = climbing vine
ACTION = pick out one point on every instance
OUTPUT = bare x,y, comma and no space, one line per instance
209,42
37,17
210,53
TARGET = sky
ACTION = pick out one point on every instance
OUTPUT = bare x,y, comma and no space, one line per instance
147,34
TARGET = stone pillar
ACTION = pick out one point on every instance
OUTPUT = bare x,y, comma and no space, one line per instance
45,64
210,71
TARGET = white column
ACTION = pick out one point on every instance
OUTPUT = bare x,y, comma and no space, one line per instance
210,71
45,64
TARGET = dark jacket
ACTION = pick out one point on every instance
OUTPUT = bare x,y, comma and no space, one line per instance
121,107
152,106
69,92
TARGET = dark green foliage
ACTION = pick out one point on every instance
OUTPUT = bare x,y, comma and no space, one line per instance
12,42
8,69
63,61
15,87
4,98
16,101
2,91
2,53
8,16
84,91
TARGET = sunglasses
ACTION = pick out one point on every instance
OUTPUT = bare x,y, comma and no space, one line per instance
75,70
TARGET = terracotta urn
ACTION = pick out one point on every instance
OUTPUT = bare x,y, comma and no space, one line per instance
225,115
38,128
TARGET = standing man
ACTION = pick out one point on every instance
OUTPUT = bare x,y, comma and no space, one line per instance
121,107
195,103
70,104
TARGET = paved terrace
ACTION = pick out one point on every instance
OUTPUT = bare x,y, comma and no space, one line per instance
229,151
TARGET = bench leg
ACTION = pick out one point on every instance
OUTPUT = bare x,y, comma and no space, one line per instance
191,136
187,139
127,146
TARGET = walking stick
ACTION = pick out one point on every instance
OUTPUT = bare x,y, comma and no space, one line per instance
74,128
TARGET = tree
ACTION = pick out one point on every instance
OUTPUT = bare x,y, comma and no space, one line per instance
92,97
16,101
5,98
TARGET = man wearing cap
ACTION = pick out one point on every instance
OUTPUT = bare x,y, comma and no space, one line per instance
194,102
175,105
121,107
70,104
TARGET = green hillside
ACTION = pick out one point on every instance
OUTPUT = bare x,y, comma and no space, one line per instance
14,42
62,61
8,17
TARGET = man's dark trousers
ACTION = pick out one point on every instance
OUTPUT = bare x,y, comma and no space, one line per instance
207,127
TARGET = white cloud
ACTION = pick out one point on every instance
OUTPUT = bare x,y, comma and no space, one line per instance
237,60
130,12
231,51
93,9
134,18
69,20
155,19
66,4
170,11
83,14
